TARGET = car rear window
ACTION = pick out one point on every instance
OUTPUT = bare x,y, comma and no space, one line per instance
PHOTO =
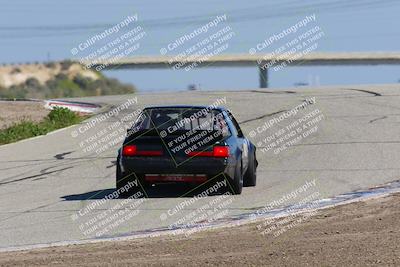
188,119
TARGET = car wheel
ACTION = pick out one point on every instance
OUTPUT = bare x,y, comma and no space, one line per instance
250,177
237,183
122,180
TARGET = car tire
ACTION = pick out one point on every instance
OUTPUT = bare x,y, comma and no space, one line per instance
121,181
237,183
250,177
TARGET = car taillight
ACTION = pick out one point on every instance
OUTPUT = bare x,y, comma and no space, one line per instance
132,150
221,151
129,150
218,152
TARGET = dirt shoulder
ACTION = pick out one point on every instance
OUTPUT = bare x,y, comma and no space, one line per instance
358,234
16,111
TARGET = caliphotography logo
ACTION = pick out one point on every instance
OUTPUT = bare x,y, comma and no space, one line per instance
199,133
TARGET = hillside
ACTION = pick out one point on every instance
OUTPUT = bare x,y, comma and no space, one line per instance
55,80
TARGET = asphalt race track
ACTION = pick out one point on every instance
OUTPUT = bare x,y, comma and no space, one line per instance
45,181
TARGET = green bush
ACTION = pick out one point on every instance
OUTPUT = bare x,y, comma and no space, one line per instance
62,117
50,65
65,64
56,119
16,70
32,83
19,131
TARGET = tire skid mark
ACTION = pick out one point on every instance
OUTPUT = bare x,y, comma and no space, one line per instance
377,119
42,173
366,91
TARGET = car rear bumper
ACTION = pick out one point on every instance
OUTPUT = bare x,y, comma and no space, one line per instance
161,165
186,178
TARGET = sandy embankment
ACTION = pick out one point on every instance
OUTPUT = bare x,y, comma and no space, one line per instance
357,234
15,111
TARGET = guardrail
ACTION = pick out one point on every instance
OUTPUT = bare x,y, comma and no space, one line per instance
72,105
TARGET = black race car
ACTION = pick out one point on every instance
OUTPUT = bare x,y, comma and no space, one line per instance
186,144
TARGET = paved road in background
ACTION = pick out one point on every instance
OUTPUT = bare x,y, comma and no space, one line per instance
46,181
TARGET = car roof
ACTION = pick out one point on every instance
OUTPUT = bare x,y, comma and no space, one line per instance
187,106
